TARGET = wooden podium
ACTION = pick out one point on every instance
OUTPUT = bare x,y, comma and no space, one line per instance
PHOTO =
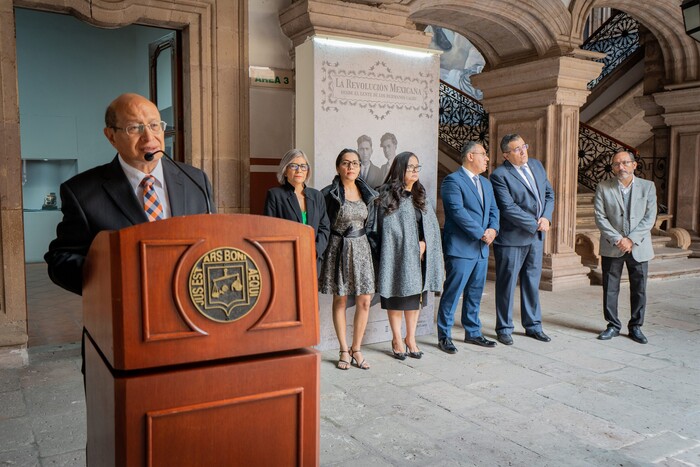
196,348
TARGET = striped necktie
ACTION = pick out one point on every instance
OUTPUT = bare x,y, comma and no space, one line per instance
153,208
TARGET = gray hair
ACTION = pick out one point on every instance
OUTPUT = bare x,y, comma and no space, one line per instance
629,153
286,159
507,139
467,148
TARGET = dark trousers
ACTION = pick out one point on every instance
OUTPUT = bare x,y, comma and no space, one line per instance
612,272
515,263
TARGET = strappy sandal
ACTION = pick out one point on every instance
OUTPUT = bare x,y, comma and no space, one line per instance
363,365
343,364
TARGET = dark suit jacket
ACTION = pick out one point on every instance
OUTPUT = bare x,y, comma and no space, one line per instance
102,199
281,202
466,219
518,205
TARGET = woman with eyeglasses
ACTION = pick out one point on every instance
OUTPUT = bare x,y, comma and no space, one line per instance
295,201
348,268
410,251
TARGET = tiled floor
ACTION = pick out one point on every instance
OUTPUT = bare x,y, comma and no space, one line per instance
55,315
575,401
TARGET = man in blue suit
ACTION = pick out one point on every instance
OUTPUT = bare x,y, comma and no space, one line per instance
526,201
471,225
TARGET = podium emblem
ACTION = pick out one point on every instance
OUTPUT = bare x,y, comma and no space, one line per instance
224,284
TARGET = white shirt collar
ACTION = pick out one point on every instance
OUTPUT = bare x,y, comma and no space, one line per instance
624,188
469,173
135,176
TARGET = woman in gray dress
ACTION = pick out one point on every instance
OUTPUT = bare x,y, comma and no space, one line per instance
410,259
348,268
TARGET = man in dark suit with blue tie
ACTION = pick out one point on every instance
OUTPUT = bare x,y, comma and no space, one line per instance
526,201
471,225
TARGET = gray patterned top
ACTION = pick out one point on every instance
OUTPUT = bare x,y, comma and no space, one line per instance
354,275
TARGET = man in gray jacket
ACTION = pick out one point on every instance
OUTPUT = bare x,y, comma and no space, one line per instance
625,211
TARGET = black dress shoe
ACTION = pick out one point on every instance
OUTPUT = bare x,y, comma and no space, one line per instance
608,334
637,336
446,345
479,340
505,339
539,335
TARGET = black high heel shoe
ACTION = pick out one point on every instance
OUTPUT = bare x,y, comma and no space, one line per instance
418,354
398,355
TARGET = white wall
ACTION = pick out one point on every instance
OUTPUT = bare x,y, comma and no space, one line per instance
70,71
271,110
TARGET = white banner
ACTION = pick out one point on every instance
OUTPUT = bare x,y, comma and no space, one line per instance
384,99
375,91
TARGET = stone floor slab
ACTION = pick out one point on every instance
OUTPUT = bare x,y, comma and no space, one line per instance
688,457
25,457
12,404
575,401
68,459
659,447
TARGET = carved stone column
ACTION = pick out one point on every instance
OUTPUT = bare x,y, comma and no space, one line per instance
387,23
659,150
13,315
682,116
540,100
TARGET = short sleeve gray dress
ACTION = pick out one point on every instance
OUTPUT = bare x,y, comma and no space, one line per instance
347,266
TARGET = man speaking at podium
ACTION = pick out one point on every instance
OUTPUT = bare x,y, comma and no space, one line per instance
139,185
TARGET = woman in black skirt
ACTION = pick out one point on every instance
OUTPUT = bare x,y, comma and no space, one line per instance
410,251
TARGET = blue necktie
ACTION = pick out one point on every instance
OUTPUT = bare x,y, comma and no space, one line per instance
526,171
478,188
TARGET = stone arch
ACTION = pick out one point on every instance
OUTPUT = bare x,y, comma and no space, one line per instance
681,53
214,87
504,32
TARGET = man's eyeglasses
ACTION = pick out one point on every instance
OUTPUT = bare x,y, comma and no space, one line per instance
295,167
621,163
413,168
520,149
132,130
353,164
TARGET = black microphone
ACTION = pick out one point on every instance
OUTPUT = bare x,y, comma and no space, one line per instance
149,157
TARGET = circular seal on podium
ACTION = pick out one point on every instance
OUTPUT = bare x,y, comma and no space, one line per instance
224,284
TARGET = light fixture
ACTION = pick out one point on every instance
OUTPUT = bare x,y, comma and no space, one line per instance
691,18
363,44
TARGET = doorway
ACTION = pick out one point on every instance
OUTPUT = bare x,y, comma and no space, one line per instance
68,72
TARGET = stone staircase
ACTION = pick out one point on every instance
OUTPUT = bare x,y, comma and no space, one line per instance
671,253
